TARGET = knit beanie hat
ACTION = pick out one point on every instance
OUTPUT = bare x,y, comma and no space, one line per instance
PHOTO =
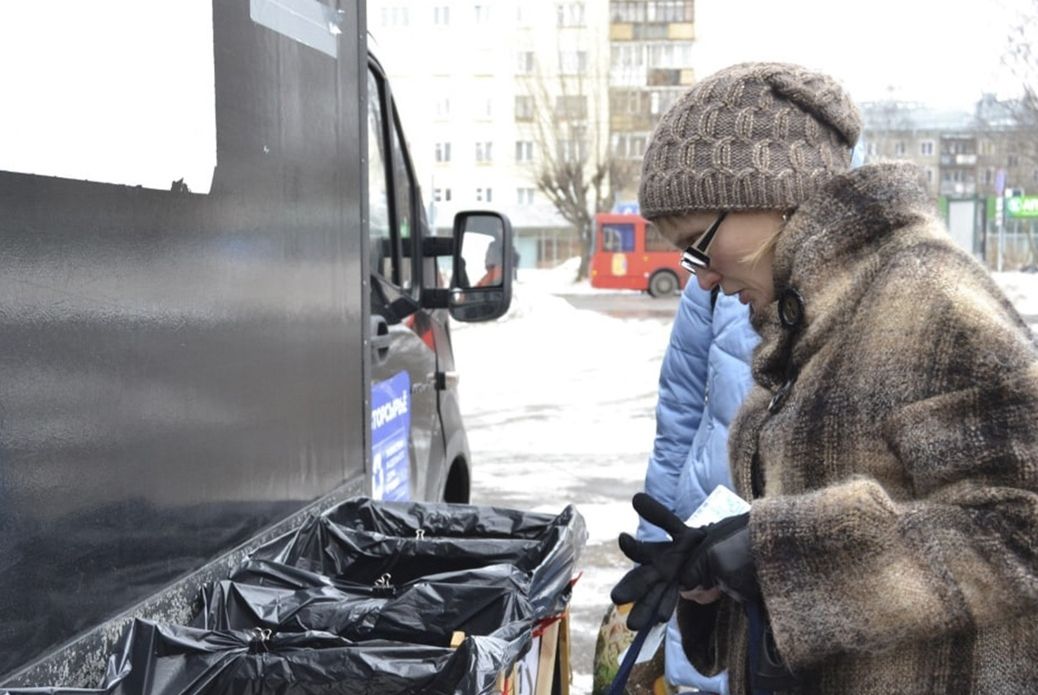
754,136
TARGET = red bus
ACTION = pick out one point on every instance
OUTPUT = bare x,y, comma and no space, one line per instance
630,253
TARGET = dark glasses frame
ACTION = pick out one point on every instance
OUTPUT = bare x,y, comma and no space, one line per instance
695,256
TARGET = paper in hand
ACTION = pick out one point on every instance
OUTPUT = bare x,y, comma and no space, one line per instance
719,504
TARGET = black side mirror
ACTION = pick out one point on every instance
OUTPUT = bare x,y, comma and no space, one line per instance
481,284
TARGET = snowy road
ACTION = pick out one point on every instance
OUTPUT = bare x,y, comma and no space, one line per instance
559,399
559,408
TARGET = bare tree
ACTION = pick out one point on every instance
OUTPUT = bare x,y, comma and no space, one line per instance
575,170
1020,127
1022,58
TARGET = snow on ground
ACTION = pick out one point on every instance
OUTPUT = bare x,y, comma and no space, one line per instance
1022,290
559,407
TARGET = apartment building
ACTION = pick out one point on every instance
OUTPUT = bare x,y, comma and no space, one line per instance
650,67
502,89
969,159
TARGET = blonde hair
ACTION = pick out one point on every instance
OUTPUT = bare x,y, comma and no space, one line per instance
755,257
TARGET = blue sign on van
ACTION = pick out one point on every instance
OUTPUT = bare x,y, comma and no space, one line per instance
390,427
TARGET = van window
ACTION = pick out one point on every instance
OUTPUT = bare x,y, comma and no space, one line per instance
404,194
618,238
378,191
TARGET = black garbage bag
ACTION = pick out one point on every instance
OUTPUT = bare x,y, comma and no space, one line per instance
264,594
362,540
159,659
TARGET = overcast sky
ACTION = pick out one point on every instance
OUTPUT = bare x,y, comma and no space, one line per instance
940,52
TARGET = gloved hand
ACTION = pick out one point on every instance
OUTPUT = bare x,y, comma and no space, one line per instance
724,559
653,585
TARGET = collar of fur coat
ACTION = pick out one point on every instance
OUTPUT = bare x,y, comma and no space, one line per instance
831,249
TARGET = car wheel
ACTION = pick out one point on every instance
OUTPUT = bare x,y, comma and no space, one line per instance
663,283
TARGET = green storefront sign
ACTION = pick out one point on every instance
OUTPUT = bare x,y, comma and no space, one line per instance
1022,207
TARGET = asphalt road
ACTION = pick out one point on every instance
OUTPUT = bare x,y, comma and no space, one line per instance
628,305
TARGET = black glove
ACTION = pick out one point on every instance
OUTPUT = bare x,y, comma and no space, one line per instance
724,560
653,585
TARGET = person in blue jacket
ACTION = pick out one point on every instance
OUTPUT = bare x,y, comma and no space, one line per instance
704,377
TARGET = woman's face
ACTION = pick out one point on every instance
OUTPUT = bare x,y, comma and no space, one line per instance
733,261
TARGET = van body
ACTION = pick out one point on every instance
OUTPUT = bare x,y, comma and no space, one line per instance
629,253
220,310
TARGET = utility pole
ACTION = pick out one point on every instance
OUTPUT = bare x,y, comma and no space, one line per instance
1000,215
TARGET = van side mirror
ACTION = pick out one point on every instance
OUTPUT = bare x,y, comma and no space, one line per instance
484,259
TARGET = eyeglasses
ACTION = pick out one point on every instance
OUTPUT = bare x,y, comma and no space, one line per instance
695,257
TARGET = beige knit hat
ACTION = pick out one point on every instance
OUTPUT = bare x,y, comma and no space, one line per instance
752,136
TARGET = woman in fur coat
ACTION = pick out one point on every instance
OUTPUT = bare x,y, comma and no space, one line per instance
889,447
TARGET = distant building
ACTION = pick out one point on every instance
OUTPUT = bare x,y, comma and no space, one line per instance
966,157
483,102
650,67
503,84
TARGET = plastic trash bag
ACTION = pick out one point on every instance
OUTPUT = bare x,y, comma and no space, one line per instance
428,610
362,540
161,659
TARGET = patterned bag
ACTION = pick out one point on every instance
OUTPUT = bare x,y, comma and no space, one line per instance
613,640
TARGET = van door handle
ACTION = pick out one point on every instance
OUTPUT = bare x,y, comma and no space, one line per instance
380,340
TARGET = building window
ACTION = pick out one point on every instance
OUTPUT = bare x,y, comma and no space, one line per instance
926,148
487,109
524,108
442,195
1034,176
441,15
668,10
899,149
571,107
871,149
571,14
572,62
443,107
628,145
482,14
572,150
629,101
660,101
1014,160
396,16
669,55
523,151
989,175
524,62
443,152
524,196
627,55
485,195
929,175
484,152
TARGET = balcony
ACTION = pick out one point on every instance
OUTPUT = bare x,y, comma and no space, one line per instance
959,160
958,189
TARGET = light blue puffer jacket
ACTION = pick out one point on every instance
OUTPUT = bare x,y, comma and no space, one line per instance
704,378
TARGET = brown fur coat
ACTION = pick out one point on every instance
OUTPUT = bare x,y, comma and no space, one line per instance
896,537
